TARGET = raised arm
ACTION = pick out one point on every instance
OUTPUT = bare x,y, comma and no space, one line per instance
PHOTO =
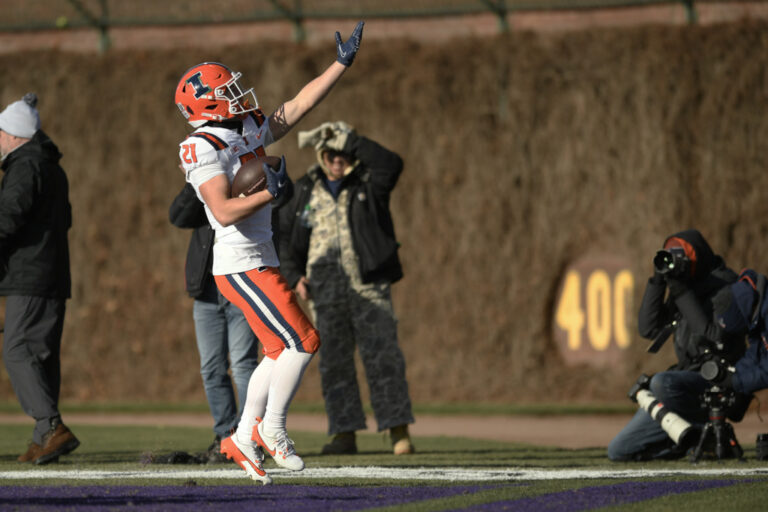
291,112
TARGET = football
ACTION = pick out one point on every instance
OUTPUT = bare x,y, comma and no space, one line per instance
250,178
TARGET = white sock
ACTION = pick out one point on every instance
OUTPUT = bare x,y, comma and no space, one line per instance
256,399
286,377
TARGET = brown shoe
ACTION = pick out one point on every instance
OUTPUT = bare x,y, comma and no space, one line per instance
341,444
57,441
32,453
401,441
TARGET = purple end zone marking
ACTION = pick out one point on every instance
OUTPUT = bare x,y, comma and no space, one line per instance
589,498
209,498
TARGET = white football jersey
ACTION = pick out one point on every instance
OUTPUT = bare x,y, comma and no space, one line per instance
212,150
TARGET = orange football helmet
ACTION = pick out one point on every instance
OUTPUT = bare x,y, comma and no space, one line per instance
211,92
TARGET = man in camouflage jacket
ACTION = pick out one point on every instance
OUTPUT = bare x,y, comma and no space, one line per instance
338,251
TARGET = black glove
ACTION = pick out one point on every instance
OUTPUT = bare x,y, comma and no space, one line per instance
345,52
276,180
677,286
658,279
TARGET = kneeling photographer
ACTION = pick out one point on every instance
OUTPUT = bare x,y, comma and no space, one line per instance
741,307
693,274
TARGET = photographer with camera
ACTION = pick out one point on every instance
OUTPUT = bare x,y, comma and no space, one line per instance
740,308
693,274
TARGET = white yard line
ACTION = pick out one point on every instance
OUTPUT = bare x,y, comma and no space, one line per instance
375,472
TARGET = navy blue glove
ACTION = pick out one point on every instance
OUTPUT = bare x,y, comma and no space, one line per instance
276,179
345,52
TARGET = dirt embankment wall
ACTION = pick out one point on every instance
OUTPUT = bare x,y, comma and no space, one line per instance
523,152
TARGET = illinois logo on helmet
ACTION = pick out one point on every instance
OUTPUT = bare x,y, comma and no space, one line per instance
211,92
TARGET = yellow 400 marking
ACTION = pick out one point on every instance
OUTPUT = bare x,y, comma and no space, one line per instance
606,309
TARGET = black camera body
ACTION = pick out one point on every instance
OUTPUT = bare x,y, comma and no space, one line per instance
718,372
715,368
672,262
643,382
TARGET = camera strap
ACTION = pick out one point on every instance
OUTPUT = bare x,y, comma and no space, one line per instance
661,338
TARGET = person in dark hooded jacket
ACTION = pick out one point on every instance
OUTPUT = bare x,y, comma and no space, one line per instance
35,216
739,308
685,311
688,306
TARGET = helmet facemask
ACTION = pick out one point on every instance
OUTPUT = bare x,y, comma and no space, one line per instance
239,101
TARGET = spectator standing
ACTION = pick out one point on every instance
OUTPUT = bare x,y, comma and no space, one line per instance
35,217
338,251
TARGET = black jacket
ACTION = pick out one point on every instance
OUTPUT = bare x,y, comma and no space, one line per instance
35,216
370,221
187,211
691,307
751,373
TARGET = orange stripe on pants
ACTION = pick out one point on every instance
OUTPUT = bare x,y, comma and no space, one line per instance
271,309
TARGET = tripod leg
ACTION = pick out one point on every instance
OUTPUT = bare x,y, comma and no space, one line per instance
719,438
705,432
726,444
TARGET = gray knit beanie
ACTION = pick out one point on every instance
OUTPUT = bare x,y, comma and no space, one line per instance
21,118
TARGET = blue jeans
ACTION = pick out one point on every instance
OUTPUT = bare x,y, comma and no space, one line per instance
643,438
222,331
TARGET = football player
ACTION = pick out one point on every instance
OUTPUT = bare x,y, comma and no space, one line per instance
230,129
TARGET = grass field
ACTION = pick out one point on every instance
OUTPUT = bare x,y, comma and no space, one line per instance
110,472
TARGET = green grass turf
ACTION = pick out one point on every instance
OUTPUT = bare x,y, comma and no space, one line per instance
750,495
453,408
122,448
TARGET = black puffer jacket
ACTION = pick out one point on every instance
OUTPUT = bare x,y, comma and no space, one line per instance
691,309
35,216
370,221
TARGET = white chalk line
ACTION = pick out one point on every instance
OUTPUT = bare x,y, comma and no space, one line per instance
377,472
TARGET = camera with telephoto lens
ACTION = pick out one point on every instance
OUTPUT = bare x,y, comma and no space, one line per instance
672,262
677,428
